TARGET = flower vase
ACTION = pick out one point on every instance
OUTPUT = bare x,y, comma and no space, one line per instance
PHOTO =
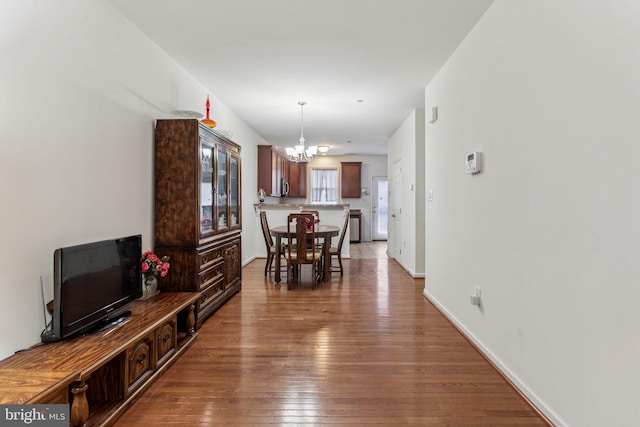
149,287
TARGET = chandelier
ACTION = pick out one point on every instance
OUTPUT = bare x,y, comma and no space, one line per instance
301,153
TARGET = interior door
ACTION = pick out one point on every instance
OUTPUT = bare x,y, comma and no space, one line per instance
380,208
396,211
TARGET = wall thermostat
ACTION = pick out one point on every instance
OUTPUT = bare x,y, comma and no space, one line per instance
473,163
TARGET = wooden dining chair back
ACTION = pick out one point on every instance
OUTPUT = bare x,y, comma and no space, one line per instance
316,217
300,253
336,251
268,240
316,213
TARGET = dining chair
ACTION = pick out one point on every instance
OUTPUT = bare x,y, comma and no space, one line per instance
336,251
271,247
300,254
316,213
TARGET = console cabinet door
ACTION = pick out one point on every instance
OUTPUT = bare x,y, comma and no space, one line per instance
140,361
166,343
232,264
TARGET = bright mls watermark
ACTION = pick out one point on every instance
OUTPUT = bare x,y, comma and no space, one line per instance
34,415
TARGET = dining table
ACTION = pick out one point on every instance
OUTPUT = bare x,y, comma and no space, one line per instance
325,232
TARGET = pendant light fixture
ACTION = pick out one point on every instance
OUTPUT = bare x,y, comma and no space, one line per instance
301,153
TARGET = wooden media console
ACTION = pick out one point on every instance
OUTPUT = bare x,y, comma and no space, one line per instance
100,375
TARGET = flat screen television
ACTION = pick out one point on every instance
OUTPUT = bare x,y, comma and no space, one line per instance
93,283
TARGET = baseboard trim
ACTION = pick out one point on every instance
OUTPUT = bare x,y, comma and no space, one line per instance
517,385
411,273
245,263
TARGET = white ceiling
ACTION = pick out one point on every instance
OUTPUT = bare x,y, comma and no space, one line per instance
260,57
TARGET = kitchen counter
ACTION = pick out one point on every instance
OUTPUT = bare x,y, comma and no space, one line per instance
277,213
301,206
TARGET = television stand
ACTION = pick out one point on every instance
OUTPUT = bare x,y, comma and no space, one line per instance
107,323
102,374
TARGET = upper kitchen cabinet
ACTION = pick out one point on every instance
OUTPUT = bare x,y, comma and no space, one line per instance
273,171
298,179
350,179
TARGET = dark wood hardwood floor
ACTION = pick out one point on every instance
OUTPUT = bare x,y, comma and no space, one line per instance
365,349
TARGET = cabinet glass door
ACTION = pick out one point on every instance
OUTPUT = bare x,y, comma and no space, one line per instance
221,191
234,191
206,187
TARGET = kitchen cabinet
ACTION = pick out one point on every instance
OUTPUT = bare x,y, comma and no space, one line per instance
350,179
297,179
273,171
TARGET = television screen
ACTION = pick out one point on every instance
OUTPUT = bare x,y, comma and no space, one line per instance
92,283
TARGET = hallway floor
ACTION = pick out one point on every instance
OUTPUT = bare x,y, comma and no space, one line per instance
376,249
364,349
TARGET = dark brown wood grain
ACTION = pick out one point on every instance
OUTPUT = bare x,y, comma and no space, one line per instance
77,358
177,183
365,349
298,179
103,372
177,163
350,179
273,166
196,256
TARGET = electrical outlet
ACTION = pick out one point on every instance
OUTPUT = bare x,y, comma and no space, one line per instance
475,299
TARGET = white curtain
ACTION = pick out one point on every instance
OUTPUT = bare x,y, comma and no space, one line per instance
324,185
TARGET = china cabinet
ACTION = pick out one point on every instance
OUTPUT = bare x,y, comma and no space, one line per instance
198,211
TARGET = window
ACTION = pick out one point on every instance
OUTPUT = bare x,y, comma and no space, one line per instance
324,185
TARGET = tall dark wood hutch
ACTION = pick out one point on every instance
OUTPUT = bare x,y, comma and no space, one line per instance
198,212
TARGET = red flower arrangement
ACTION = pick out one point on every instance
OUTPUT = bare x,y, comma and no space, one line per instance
309,223
152,265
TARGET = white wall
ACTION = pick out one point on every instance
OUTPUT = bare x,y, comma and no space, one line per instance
549,91
407,146
81,88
